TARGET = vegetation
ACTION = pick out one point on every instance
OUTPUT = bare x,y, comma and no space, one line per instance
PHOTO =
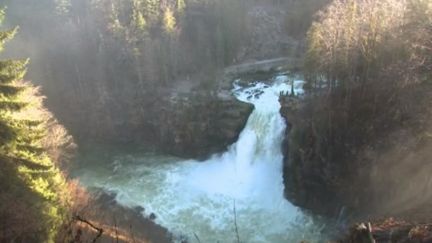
99,60
301,15
33,197
104,63
114,69
368,68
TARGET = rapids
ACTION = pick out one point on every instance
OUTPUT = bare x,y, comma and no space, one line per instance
241,188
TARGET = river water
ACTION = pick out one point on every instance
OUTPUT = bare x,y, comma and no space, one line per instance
235,195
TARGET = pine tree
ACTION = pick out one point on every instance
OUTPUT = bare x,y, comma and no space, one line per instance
30,179
138,20
10,72
169,21
181,5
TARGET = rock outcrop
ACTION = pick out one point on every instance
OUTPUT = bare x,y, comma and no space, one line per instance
194,124
354,173
304,182
202,124
114,222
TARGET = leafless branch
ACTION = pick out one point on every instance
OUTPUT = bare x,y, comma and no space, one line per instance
99,230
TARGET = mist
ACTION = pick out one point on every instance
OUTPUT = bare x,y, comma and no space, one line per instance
261,121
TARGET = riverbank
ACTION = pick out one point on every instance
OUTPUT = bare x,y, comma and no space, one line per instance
102,219
202,198
129,221
389,230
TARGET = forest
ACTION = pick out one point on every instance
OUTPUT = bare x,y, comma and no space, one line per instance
252,121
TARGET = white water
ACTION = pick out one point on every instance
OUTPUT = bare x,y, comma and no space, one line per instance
193,197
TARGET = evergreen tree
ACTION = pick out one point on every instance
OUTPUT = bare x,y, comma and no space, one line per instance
169,21
181,5
30,179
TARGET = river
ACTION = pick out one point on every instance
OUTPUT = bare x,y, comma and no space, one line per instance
233,196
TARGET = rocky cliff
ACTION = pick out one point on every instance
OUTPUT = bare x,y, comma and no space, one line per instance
201,124
193,124
376,165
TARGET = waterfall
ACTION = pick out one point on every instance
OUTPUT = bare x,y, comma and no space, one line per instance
251,167
192,197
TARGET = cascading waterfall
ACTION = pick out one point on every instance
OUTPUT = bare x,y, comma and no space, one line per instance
192,197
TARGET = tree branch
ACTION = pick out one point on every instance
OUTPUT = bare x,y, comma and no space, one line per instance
99,230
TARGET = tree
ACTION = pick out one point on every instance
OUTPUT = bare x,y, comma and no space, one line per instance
29,176
374,61
353,40
138,20
181,5
169,21
419,34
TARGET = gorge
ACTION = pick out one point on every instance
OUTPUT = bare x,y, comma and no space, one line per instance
262,121
237,193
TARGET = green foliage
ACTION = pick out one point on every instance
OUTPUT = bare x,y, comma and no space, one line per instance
29,173
169,21
115,53
152,10
10,90
113,21
5,35
11,70
181,5
138,20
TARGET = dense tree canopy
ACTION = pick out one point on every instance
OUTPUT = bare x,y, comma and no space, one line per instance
368,69
32,194
356,41
101,60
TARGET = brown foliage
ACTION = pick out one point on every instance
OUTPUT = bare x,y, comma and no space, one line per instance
356,142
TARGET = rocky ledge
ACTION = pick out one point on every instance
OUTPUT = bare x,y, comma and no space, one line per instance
389,230
202,124
194,124
102,219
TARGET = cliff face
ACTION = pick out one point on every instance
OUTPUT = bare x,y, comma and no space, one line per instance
201,125
189,125
307,182
375,165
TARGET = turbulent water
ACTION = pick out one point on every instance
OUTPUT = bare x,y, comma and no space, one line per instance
240,190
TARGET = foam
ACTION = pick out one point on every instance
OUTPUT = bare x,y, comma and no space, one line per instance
191,197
